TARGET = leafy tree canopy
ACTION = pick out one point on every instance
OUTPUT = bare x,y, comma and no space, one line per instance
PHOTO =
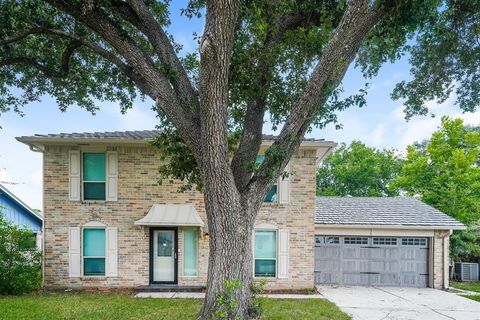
359,171
62,49
444,172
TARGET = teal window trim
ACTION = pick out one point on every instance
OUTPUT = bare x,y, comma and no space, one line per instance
265,259
94,189
94,257
186,250
272,194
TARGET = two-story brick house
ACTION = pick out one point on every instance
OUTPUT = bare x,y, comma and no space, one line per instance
109,223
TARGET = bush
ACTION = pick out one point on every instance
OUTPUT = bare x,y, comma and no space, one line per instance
20,261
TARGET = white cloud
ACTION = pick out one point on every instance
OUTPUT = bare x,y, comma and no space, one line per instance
136,118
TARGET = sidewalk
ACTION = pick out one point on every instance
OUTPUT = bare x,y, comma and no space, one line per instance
200,295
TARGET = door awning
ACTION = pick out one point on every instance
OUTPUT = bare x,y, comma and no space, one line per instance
171,215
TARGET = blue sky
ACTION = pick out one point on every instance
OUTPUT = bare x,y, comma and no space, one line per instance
379,124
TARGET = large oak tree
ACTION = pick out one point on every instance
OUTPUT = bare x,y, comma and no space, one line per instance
284,59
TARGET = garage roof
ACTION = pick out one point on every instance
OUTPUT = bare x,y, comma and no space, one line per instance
387,211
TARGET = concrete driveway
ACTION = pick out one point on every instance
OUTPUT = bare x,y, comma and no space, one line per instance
373,303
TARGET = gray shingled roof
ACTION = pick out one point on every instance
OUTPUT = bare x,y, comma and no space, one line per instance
138,135
394,211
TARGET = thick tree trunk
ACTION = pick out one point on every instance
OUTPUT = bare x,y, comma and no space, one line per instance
230,259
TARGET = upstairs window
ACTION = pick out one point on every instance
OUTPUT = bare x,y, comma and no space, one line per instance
94,176
272,194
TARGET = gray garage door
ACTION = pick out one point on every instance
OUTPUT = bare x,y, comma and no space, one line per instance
375,261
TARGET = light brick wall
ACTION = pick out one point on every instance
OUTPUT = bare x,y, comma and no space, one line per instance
438,252
138,190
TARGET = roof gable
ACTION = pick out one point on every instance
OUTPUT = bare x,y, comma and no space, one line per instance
36,215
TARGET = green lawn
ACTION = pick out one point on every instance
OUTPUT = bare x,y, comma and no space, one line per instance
475,297
123,306
471,286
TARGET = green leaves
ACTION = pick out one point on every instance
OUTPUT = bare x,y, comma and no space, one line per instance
445,60
20,261
358,170
444,173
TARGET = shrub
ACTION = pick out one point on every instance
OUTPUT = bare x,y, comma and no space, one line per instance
256,309
20,261
226,302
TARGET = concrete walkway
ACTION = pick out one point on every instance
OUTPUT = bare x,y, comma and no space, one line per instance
372,303
198,295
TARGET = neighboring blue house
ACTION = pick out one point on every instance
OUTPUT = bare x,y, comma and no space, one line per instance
16,211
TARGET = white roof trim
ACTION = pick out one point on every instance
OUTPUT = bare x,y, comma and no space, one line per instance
36,214
171,215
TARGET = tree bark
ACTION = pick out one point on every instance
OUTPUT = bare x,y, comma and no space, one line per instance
230,258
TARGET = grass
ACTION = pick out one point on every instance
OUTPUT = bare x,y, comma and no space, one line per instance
475,297
471,286
124,306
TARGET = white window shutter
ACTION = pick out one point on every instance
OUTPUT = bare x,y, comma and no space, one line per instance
112,252
283,255
74,252
284,187
74,173
112,176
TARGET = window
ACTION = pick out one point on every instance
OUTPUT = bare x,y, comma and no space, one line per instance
265,254
94,252
327,240
93,176
355,240
385,241
190,252
414,242
272,194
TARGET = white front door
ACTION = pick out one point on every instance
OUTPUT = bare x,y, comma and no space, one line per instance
164,255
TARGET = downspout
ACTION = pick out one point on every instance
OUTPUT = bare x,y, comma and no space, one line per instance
446,259
35,148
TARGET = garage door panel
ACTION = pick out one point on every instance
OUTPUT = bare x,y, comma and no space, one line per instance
384,266
380,261
356,252
355,265
329,251
386,279
328,265
356,279
384,253
327,277
414,280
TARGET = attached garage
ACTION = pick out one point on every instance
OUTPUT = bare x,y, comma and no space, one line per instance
374,261
397,241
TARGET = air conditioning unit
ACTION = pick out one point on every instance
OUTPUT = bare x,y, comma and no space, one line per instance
465,271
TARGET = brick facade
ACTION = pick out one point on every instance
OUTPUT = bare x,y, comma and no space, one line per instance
138,190
440,254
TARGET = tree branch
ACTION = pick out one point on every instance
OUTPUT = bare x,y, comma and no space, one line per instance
251,138
353,28
78,40
138,15
157,85
49,72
